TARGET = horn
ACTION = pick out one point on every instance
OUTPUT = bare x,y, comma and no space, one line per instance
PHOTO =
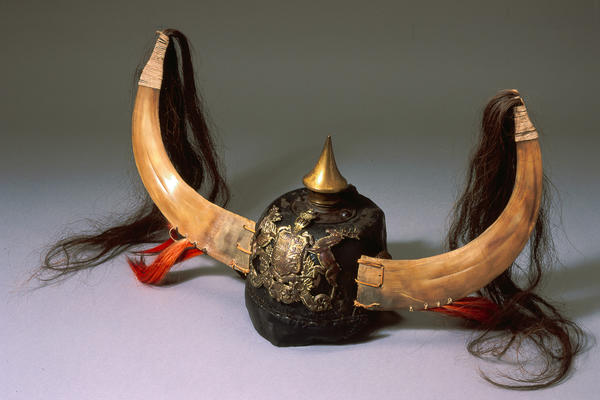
221,234
433,281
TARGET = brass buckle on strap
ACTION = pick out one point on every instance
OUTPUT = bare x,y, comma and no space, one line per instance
379,268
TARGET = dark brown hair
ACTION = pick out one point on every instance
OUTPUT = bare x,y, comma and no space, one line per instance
524,318
190,147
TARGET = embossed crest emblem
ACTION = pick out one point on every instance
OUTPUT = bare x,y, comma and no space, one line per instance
290,262
288,252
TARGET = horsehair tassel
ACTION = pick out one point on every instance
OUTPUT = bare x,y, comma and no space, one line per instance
169,253
474,308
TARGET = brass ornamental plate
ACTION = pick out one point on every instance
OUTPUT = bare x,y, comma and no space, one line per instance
291,263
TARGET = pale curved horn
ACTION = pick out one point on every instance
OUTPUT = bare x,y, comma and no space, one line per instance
434,281
221,234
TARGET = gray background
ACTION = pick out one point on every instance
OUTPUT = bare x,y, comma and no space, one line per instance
400,86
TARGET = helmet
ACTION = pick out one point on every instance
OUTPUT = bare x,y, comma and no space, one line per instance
303,264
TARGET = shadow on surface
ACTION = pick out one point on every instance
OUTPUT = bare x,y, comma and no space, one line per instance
176,277
577,287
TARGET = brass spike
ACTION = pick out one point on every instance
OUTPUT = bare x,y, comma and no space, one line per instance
325,176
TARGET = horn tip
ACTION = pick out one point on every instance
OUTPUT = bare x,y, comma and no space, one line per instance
153,70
